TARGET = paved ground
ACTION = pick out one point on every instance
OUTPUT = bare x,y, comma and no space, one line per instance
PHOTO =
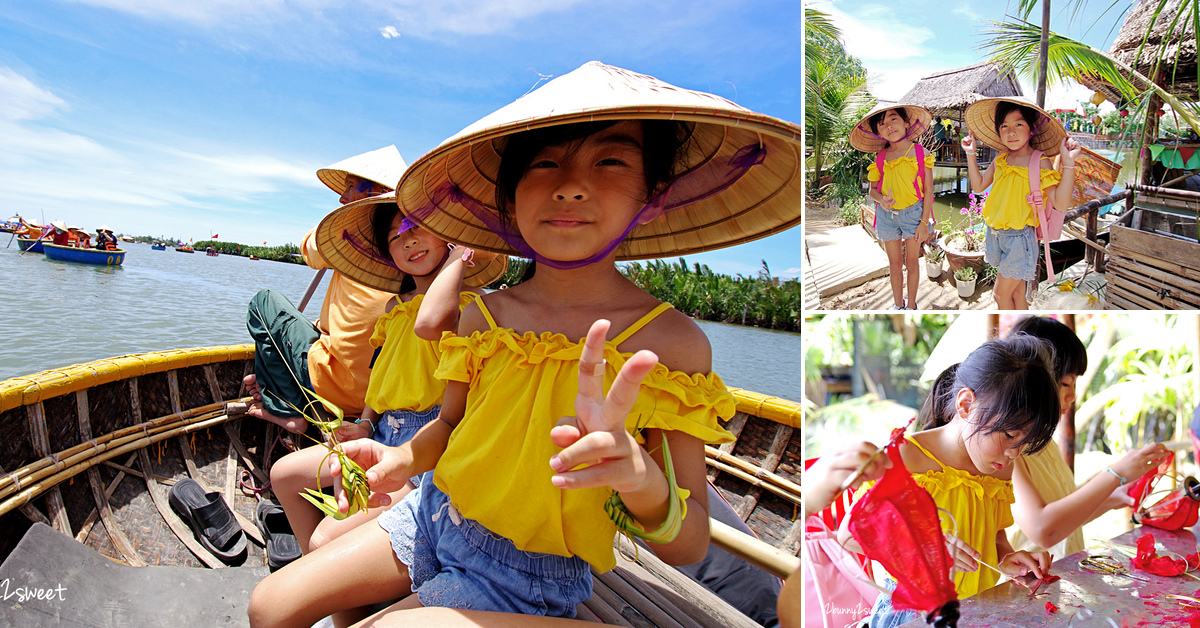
940,294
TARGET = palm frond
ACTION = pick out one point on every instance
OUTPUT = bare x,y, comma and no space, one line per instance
1015,45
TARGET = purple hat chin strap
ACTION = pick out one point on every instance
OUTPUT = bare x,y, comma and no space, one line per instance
687,189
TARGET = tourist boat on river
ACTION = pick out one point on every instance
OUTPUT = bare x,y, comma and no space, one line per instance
32,245
96,257
185,249
92,450
158,247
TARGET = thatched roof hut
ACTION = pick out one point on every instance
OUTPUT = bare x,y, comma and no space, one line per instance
1178,51
947,94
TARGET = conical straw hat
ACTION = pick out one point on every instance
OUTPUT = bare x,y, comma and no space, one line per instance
345,240
981,120
865,139
448,189
58,224
384,166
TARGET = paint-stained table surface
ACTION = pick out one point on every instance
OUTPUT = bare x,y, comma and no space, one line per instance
1086,599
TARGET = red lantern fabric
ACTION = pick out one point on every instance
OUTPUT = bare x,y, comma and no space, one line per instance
1148,560
896,523
1179,509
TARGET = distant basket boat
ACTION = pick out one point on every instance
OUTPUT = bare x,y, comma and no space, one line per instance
30,244
211,252
97,257
185,249
158,247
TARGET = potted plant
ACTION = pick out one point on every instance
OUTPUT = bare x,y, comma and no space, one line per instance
963,243
933,262
965,279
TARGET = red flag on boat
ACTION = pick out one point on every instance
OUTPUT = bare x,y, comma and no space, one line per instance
896,523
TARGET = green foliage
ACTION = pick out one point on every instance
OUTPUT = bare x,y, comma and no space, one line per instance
513,275
848,212
835,97
966,273
286,253
1144,388
762,301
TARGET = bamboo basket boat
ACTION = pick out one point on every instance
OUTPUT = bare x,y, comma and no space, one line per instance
91,451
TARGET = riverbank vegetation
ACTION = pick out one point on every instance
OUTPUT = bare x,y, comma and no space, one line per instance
762,301
286,253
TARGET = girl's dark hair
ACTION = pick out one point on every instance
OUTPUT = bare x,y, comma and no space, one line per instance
1004,107
663,148
1068,349
381,232
933,411
1014,390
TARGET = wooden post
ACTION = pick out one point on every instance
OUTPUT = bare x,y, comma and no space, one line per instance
1149,133
1092,256
1064,436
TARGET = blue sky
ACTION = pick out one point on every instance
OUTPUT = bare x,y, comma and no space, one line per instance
899,46
192,117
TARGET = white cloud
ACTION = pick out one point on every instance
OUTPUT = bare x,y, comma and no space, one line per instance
20,99
874,34
966,11
791,273
389,32
146,183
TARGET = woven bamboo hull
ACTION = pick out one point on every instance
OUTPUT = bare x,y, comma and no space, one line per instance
764,488
80,440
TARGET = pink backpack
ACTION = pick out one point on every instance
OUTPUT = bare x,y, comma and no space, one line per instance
1049,220
920,152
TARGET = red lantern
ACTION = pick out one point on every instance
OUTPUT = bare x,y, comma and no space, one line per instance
1161,113
896,523
1124,112
1179,508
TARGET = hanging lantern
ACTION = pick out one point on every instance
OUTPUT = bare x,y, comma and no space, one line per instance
1161,113
1097,98
1124,112
1097,120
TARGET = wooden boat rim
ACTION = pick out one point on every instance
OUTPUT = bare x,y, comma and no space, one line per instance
27,389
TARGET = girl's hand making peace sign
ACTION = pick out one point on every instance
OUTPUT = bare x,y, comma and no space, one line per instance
597,449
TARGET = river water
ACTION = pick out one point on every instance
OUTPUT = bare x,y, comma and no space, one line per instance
55,314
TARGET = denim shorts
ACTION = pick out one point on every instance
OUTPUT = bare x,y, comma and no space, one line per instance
1013,252
900,224
457,563
883,615
396,427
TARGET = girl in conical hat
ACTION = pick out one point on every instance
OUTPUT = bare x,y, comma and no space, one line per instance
1016,128
576,404
902,187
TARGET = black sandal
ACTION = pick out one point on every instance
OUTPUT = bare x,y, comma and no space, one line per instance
211,520
282,546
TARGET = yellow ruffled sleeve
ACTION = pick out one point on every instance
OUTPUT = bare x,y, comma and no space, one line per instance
379,336
671,400
929,159
872,172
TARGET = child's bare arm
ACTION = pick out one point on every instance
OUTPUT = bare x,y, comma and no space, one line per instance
1069,150
979,182
439,308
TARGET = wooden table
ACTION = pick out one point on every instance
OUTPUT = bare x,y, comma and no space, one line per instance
1087,599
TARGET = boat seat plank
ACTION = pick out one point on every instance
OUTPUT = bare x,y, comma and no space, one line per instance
96,591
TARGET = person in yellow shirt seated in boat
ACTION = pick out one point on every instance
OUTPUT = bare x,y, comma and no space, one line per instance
333,356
